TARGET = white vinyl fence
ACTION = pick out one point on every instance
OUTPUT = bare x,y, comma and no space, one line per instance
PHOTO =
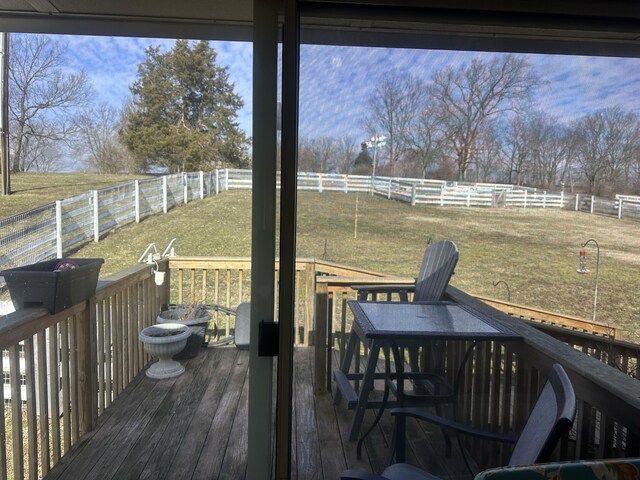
53,229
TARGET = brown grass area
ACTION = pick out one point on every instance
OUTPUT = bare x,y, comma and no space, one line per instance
534,250
30,190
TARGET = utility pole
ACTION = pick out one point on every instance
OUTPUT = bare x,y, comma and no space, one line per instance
4,113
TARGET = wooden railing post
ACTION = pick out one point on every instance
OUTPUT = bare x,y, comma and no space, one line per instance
87,371
310,282
322,311
165,288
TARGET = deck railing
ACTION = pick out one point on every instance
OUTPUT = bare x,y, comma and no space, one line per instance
226,281
76,363
501,382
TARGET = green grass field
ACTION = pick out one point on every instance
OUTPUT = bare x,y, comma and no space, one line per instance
534,250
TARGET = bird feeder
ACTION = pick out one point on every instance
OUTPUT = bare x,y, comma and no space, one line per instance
583,270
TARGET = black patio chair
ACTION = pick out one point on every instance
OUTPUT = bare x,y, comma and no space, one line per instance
551,417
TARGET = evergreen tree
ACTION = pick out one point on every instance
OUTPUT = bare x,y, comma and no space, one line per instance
363,164
185,110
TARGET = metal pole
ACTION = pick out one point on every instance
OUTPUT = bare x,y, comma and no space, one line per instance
595,291
288,209
263,234
4,113
495,284
373,173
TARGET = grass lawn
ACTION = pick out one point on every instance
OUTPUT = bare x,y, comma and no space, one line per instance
30,190
534,250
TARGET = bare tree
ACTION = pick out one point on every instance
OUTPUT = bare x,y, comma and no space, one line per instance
516,149
486,155
425,141
41,153
393,107
549,141
42,96
471,95
307,161
345,154
604,142
98,141
317,155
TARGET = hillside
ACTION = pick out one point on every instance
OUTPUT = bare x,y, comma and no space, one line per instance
30,190
534,251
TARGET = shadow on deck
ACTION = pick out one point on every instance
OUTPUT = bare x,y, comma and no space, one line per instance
195,426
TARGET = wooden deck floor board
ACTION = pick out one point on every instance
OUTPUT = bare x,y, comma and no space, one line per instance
234,465
190,448
209,462
126,430
308,462
330,443
147,439
195,427
108,434
176,429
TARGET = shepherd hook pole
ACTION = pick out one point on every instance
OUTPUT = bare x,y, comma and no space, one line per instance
595,293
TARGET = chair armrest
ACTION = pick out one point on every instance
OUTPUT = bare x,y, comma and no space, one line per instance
360,475
394,287
401,289
453,425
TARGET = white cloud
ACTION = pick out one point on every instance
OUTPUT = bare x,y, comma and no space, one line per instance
337,81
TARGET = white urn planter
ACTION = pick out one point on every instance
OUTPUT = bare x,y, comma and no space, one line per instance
163,342
196,318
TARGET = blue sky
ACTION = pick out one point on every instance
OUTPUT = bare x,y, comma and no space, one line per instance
336,81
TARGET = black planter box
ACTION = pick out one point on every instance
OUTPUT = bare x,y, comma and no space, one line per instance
39,284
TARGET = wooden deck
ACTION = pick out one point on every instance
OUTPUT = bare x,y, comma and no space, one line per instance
195,426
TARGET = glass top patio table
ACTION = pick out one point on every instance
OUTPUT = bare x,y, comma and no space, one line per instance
397,323
428,320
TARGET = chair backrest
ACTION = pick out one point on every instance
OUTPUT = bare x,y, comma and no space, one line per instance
551,417
438,264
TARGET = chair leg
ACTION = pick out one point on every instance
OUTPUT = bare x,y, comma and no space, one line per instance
346,363
367,386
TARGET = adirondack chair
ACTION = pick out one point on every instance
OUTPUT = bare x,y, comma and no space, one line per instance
551,417
438,264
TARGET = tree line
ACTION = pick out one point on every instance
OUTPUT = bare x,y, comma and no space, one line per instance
476,121
479,122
